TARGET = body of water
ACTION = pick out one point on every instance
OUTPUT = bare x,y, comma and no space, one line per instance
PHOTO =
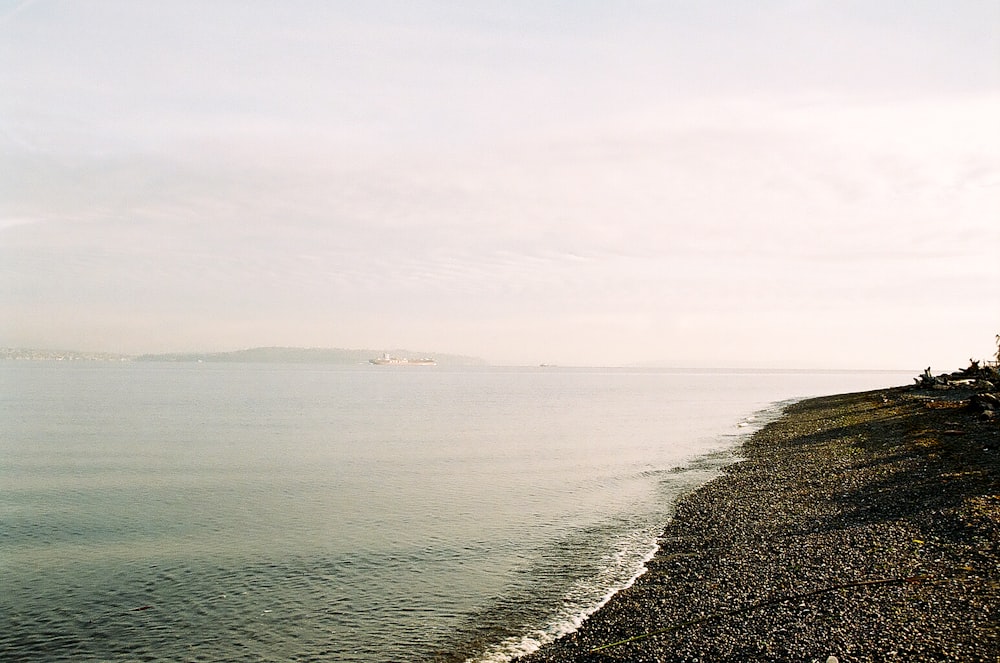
261,512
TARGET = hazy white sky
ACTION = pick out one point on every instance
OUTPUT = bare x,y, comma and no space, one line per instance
770,183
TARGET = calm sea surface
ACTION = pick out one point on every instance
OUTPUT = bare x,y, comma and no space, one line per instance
257,512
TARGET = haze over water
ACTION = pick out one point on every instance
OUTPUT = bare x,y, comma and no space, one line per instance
315,512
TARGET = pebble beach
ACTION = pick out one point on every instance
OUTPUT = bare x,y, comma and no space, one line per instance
857,527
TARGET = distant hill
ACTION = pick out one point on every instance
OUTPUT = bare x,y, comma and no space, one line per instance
30,354
307,356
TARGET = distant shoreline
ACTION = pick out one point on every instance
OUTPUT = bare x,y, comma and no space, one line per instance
30,354
294,355
864,526
286,355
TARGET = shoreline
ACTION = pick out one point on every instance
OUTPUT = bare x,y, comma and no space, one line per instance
864,526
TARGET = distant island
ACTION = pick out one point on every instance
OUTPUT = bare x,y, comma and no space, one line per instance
270,355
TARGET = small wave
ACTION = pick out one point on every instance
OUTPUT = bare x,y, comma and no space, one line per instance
583,598
624,566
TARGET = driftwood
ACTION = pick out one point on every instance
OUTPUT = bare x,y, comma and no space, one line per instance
984,381
982,378
928,381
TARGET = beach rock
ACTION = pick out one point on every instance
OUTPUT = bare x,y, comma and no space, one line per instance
986,405
986,400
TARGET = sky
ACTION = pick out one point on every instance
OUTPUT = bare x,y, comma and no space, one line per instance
695,183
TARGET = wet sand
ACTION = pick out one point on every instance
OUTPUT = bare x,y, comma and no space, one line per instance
862,526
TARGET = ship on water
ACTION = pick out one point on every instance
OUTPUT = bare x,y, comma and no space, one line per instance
386,360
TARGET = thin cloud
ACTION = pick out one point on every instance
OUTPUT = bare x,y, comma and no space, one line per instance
514,182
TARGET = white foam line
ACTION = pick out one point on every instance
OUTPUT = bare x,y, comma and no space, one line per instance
563,624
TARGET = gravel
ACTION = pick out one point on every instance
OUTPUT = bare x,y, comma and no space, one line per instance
861,526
